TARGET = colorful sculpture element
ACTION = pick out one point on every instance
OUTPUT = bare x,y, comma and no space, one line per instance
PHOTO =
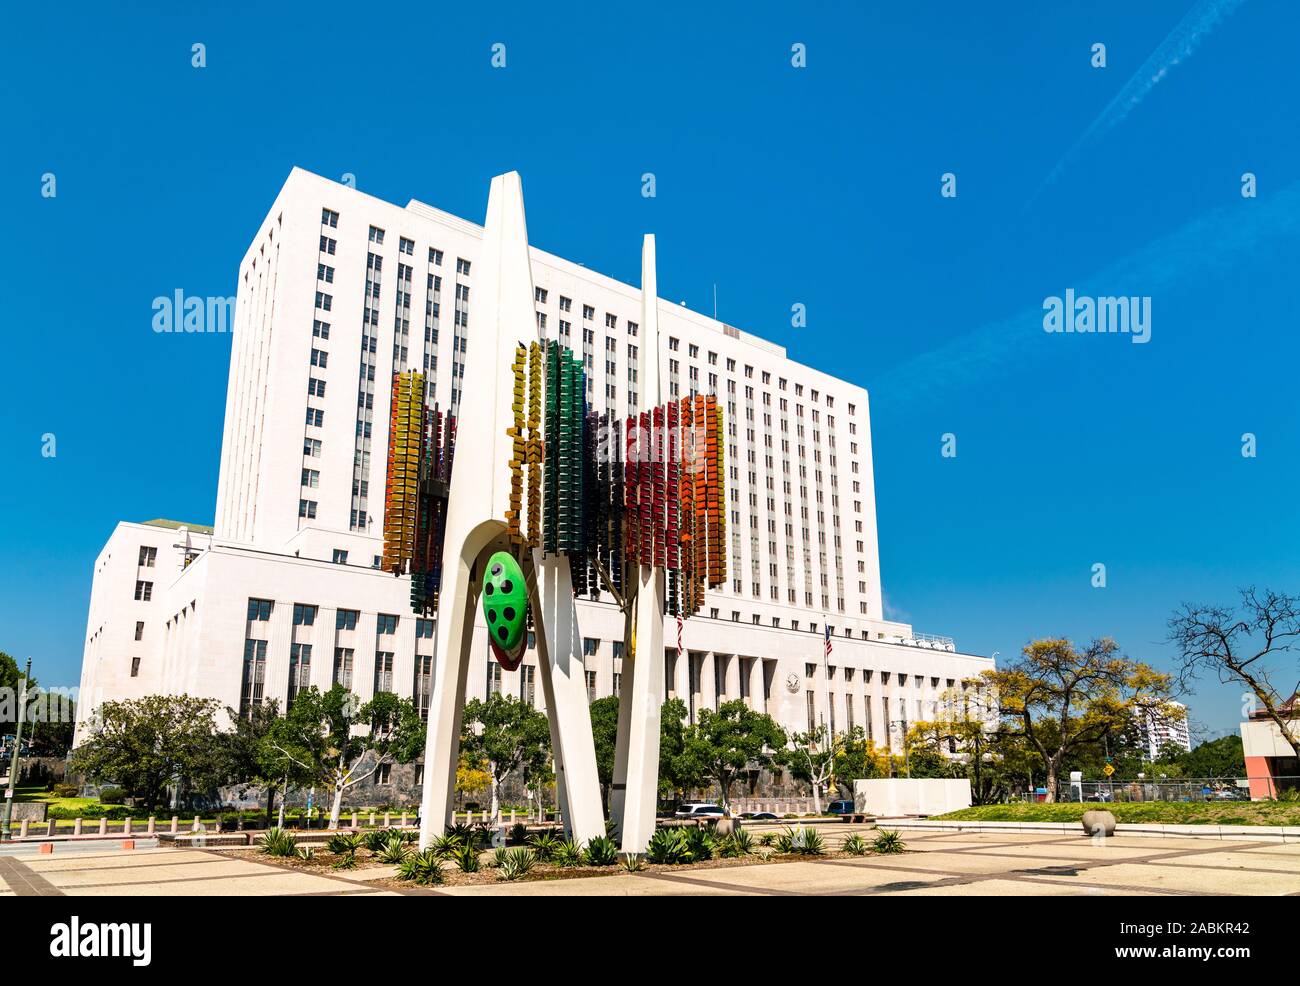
505,607
421,444
609,495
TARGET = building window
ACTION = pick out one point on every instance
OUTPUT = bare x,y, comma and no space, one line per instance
386,624
589,646
527,684
139,629
343,666
147,557
423,684
383,773
340,556
346,619
591,686
618,684
260,609
250,693
307,508
383,671
423,628
494,679
812,710
304,615
143,591
299,669
135,667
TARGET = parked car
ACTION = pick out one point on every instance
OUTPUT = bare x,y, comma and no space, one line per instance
700,809
759,816
841,808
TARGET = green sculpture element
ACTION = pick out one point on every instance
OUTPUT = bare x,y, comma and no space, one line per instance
505,607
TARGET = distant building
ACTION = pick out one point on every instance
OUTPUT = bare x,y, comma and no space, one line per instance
1271,763
1156,731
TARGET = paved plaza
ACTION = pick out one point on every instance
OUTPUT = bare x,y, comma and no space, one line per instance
942,864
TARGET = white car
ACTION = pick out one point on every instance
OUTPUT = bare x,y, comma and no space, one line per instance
700,809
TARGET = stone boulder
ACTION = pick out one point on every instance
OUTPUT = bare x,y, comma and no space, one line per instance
1095,821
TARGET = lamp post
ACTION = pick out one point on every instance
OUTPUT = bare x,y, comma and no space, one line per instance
907,755
5,824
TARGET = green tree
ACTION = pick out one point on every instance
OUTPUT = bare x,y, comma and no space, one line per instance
732,739
681,767
337,741
244,748
812,757
604,730
149,743
857,758
1222,757
1060,699
503,735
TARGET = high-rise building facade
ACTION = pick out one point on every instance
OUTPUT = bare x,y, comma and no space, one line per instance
337,292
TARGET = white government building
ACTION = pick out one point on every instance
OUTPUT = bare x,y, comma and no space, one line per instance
340,289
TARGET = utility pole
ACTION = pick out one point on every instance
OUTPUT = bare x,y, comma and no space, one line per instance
5,825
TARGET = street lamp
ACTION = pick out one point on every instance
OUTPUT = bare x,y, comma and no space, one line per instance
5,824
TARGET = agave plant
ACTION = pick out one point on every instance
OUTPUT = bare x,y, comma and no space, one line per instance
461,832
445,846
767,839
277,842
888,842
306,852
601,851
515,863
633,862
466,857
394,850
855,845
667,846
544,844
701,844
423,868
568,853
376,839
739,843
344,843
800,842
518,832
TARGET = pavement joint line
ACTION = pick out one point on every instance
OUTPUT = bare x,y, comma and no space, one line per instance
24,881
275,868
719,885
1011,876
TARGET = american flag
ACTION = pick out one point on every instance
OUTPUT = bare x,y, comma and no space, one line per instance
679,635
829,646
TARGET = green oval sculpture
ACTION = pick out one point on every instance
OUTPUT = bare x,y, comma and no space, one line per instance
505,607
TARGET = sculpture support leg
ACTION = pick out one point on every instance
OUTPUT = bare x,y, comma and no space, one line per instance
455,632
643,704
559,652
617,794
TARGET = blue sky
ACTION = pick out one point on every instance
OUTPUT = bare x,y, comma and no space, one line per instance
779,185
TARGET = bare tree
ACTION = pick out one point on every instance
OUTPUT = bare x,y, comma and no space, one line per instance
1242,646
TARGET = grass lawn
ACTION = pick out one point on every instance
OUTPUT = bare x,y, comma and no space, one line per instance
1156,812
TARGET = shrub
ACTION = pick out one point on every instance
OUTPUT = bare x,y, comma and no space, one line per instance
800,842
112,796
394,850
567,853
344,843
306,852
518,832
466,857
376,839
767,839
601,851
888,843
667,846
739,843
66,790
516,863
701,844
277,842
347,861
633,862
544,844
855,845
445,846
424,868
461,832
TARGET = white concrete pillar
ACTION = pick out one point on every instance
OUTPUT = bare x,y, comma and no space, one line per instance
153,825
732,679
22,828
103,826
756,680
76,826
559,662
176,824
126,826
682,675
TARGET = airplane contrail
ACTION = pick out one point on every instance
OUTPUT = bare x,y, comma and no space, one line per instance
1178,46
